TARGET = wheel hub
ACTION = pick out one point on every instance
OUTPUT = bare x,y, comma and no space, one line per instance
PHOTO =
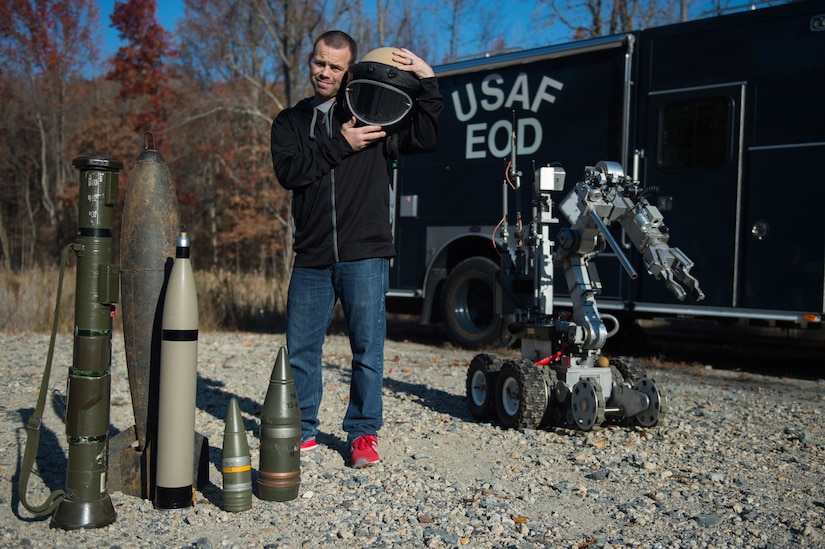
658,402
587,404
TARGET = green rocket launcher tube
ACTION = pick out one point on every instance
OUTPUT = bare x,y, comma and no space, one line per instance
87,505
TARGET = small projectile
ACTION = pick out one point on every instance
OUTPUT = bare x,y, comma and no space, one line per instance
279,475
178,385
235,462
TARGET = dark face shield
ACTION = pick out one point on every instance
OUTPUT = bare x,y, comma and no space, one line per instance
380,95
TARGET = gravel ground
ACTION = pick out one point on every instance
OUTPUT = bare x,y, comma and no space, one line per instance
738,461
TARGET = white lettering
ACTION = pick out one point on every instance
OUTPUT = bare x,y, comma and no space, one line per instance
523,147
491,138
492,92
495,94
500,132
472,108
542,94
473,139
520,93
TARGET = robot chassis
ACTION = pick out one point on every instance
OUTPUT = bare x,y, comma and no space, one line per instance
562,378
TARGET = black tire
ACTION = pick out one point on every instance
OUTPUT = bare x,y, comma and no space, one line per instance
629,368
468,304
482,379
521,395
550,417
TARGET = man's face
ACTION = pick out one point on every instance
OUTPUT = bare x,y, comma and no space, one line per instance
327,67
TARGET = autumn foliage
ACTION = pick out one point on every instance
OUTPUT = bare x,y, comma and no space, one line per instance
207,94
142,65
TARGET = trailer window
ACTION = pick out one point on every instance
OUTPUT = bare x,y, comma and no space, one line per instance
695,134
790,112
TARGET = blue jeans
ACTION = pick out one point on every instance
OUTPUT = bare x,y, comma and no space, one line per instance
361,286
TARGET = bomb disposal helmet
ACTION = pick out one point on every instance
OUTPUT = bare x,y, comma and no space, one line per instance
379,94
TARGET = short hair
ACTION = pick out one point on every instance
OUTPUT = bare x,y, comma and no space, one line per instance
338,39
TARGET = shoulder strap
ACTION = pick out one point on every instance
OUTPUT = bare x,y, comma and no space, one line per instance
35,421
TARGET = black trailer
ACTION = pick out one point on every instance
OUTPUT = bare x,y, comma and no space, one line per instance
725,117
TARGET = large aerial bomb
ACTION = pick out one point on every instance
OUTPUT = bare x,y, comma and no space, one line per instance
87,504
151,221
279,475
178,384
236,464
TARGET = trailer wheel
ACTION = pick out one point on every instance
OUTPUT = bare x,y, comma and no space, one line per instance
521,395
467,304
482,378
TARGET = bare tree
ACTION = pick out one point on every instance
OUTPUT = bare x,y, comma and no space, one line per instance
47,45
245,60
452,23
593,18
291,28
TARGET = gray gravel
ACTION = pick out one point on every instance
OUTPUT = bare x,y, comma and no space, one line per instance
738,462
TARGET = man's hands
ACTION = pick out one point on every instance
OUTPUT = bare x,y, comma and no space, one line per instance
360,137
409,62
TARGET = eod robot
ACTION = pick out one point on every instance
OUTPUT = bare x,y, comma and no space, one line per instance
562,378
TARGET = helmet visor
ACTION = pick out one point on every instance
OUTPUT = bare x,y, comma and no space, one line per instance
377,104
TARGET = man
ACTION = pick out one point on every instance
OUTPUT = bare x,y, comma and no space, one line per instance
338,172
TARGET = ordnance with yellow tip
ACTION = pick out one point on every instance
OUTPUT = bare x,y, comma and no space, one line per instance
236,465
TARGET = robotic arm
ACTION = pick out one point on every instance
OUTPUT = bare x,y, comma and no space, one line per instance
603,197
562,372
643,224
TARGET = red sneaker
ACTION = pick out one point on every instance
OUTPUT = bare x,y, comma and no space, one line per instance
364,451
308,444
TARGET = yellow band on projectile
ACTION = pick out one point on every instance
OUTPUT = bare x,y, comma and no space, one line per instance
240,469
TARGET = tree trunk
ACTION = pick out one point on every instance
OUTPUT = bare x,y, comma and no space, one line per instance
5,246
46,199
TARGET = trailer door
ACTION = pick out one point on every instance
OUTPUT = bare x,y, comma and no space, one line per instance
693,156
785,241
783,231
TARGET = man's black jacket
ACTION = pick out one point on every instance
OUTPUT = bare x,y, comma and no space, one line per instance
340,200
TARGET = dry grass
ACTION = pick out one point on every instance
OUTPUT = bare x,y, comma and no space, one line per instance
28,300
229,301
226,301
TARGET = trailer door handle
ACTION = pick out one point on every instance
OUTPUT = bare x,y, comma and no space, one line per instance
760,229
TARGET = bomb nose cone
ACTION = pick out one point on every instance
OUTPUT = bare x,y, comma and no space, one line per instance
282,371
234,422
150,156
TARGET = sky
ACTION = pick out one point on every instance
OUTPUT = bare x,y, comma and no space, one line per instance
512,18
168,12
